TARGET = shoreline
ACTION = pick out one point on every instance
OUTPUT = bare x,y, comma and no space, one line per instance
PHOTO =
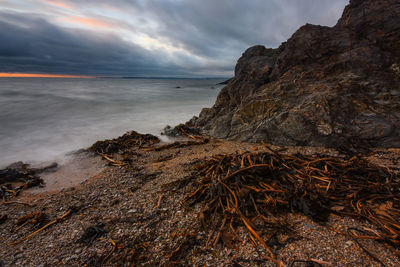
139,208
134,200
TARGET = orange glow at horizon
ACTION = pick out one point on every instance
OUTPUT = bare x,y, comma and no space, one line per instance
34,75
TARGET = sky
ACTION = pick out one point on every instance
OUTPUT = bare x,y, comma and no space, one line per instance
147,38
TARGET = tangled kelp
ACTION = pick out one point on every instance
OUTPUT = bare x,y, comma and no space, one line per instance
124,142
39,218
178,145
127,144
252,188
185,132
182,130
19,176
92,233
126,251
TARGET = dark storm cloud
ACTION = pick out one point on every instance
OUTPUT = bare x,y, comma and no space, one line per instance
214,28
208,36
32,44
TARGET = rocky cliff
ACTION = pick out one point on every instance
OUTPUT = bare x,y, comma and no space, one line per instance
325,86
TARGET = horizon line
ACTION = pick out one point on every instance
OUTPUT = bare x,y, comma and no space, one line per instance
39,75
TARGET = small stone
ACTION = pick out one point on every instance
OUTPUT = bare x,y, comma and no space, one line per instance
348,244
395,68
73,257
324,129
78,251
19,256
308,226
3,218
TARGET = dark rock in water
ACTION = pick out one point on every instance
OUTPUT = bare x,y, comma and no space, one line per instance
44,167
177,131
226,81
326,86
20,172
177,87
169,131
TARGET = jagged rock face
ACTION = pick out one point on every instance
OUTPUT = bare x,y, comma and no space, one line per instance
326,86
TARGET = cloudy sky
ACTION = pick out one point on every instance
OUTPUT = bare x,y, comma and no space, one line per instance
147,37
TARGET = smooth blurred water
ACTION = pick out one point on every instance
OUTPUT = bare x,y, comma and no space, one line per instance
42,119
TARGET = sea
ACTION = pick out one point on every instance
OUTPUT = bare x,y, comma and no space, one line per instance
44,119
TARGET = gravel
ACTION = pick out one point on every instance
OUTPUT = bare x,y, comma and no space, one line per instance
125,200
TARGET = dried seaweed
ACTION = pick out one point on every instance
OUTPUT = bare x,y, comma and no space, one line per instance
36,218
188,239
19,176
354,237
178,145
183,130
92,233
307,263
121,151
3,218
246,188
126,251
66,214
123,143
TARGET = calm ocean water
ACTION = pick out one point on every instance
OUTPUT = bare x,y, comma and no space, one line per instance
42,119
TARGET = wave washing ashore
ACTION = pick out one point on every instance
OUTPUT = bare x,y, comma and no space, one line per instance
44,118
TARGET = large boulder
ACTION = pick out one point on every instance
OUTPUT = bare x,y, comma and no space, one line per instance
325,86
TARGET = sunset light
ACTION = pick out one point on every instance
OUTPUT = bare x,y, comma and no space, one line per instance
200,132
34,75
89,22
58,4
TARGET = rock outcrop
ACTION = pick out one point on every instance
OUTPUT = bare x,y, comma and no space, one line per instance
326,86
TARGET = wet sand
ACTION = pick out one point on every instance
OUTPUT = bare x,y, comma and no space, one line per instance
76,169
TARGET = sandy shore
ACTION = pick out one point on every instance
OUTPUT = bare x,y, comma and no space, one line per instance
135,215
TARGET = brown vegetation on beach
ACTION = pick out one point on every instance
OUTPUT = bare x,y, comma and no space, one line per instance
332,199
230,203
